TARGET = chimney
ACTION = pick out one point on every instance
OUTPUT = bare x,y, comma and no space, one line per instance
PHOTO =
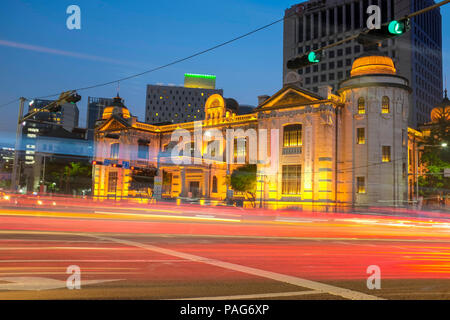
262,98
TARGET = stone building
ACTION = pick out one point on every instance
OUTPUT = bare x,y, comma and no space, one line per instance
312,150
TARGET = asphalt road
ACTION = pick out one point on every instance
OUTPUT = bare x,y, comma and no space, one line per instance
203,253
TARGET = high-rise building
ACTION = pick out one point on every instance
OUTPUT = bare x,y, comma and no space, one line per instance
94,112
177,104
417,54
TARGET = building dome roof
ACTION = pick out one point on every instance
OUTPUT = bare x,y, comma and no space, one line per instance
372,64
116,108
442,110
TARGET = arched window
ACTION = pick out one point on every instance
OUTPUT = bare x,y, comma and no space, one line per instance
385,108
292,135
214,185
361,106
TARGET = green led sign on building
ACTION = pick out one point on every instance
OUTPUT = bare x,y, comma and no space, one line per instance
205,81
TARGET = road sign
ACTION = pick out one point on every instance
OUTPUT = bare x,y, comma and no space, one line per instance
447,173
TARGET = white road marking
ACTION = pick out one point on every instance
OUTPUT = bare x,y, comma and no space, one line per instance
39,283
257,296
317,286
166,216
118,261
291,220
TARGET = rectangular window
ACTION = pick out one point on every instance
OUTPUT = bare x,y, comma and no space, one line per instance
360,185
361,136
240,146
143,151
292,135
112,182
386,154
291,179
114,152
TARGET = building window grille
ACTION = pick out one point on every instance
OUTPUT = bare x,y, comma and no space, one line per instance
114,152
361,136
291,179
385,108
386,154
112,182
360,185
292,135
361,106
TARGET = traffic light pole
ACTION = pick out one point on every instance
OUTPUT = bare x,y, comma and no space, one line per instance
17,147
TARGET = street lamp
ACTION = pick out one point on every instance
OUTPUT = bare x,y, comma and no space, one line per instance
444,144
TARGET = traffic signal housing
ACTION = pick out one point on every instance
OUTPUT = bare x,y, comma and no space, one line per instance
392,29
304,60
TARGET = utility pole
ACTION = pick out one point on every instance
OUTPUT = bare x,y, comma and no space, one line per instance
14,176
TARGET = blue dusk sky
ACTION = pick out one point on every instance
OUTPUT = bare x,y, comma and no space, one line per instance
40,56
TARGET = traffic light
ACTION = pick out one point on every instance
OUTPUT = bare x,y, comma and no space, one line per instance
399,27
392,29
305,60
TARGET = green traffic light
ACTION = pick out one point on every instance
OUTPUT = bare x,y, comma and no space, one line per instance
396,27
312,57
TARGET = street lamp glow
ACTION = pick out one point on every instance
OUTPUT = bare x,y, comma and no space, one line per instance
444,144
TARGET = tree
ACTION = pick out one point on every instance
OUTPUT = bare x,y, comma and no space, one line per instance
243,179
434,157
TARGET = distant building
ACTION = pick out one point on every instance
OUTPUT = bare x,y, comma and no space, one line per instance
177,104
58,126
94,112
417,54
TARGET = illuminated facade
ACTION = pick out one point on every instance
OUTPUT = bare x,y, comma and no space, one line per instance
312,150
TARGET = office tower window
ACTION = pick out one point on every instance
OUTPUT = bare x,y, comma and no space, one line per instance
340,75
385,108
339,64
300,30
112,181
356,15
361,106
331,54
308,70
316,25
315,79
357,49
323,78
323,67
348,16
361,136
331,76
331,65
292,135
386,153
291,179
315,68
340,52
348,50
308,28
332,21
114,151
308,80
323,22
340,17
348,62
360,184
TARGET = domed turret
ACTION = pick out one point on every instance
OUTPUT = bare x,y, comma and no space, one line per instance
372,64
442,110
116,108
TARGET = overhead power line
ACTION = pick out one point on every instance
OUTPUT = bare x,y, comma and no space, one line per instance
178,60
